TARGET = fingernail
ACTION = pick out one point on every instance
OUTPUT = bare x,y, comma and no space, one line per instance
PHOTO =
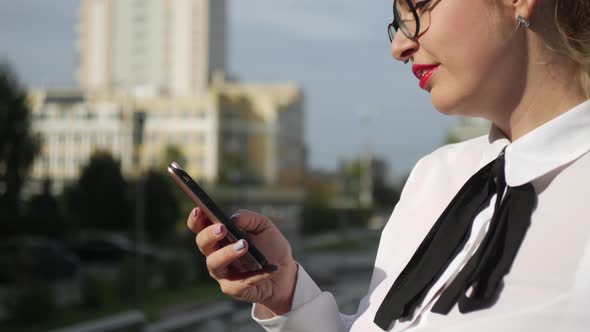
239,245
217,230
235,215
195,212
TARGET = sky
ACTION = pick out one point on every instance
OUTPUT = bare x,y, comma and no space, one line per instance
358,100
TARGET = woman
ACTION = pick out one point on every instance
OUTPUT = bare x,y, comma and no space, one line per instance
490,234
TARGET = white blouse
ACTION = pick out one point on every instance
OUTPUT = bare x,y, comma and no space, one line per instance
548,287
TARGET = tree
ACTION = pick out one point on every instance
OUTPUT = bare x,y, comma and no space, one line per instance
452,138
352,172
18,146
385,196
162,210
173,153
100,199
43,214
184,205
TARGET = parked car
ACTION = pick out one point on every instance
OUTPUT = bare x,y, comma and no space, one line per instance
35,258
107,248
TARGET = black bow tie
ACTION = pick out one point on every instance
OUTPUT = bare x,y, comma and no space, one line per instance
485,269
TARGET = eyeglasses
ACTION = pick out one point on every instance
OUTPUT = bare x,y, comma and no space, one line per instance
408,15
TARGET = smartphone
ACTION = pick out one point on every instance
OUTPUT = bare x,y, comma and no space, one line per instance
253,260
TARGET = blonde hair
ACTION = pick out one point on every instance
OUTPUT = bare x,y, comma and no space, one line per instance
572,21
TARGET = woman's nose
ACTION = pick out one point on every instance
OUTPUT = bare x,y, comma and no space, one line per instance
403,48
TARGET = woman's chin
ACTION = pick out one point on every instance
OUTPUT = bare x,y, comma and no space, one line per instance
448,103
442,103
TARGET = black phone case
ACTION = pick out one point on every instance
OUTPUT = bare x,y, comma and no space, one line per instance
253,260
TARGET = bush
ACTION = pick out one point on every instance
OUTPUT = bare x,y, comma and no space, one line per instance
323,219
34,301
129,282
199,263
97,291
177,273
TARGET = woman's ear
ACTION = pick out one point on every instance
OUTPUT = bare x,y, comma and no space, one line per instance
522,8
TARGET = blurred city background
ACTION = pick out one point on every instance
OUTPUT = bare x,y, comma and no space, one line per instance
294,109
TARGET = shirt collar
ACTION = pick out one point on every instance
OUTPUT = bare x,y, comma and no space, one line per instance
556,143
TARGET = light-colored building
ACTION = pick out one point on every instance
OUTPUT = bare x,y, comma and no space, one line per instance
190,124
261,133
466,128
71,129
233,134
152,47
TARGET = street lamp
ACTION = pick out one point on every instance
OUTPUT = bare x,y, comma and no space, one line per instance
366,181
137,141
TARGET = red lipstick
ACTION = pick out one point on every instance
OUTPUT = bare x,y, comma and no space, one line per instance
424,72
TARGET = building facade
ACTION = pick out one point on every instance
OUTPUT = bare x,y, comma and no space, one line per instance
233,134
261,133
151,47
71,130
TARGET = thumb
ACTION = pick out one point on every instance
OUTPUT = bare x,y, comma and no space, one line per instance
251,222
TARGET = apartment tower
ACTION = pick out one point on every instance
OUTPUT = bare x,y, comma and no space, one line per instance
152,48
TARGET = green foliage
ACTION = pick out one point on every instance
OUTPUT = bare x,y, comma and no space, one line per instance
129,282
18,146
99,199
177,273
452,139
172,153
43,214
233,165
319,193
34,301
154,302
196,260
161,204
236,166
323,219
385,197
339,246
353,172
97,291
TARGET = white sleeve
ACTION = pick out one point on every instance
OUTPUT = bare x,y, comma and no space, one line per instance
312,310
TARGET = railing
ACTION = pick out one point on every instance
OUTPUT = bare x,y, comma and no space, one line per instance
193,320
227,316
217,317
133,320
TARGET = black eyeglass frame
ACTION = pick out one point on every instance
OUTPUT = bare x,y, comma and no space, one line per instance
397,18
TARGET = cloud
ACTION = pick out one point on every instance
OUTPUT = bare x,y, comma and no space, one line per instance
326,20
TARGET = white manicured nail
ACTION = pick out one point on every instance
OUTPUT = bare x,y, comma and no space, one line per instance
239,245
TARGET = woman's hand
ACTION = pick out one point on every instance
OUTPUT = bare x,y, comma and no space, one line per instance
272,289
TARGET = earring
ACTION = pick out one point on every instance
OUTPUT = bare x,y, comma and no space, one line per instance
522,22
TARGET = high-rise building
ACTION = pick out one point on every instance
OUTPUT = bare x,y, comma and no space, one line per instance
160,65
152,47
